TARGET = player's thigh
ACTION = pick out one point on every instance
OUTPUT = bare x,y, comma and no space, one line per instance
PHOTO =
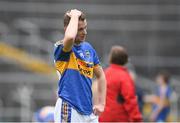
64,111
77,117
57,111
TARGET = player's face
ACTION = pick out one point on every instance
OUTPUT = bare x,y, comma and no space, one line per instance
159,79
82,31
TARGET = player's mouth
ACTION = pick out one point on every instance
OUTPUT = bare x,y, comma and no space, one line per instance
82,37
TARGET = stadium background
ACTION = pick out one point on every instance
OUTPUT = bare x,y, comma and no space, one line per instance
149,29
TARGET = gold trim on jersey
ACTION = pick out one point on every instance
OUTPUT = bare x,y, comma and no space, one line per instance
85,68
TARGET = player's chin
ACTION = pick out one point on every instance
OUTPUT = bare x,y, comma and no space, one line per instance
82,40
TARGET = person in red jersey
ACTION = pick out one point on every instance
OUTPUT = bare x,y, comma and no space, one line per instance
121,101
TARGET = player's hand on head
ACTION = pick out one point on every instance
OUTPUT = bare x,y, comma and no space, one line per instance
98,109
74,12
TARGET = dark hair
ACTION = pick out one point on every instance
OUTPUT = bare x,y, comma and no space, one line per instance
67,18
118,55
165,75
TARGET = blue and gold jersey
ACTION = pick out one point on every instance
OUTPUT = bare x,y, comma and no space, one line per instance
75,69
162,116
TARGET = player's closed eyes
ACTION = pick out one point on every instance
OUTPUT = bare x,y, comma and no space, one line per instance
81,29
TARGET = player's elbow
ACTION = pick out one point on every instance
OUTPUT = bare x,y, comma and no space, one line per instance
68,42
69,38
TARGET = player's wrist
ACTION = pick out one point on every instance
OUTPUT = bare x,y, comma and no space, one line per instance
102,102
75,16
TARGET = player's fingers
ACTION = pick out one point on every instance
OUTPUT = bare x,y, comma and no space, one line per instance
95,111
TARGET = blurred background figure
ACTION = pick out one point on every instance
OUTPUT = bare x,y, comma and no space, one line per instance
161,98
44,114
121,100
139,89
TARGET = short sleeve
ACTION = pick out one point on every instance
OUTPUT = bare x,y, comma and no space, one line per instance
95,58
60,55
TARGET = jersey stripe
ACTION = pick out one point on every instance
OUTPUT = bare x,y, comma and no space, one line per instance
85,68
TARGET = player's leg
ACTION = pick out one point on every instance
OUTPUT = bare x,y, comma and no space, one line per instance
63,111
79,118
57,111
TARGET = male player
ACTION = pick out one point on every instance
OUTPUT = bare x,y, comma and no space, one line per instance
76,61
161,99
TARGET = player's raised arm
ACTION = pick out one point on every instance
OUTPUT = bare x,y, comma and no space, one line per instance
71,29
